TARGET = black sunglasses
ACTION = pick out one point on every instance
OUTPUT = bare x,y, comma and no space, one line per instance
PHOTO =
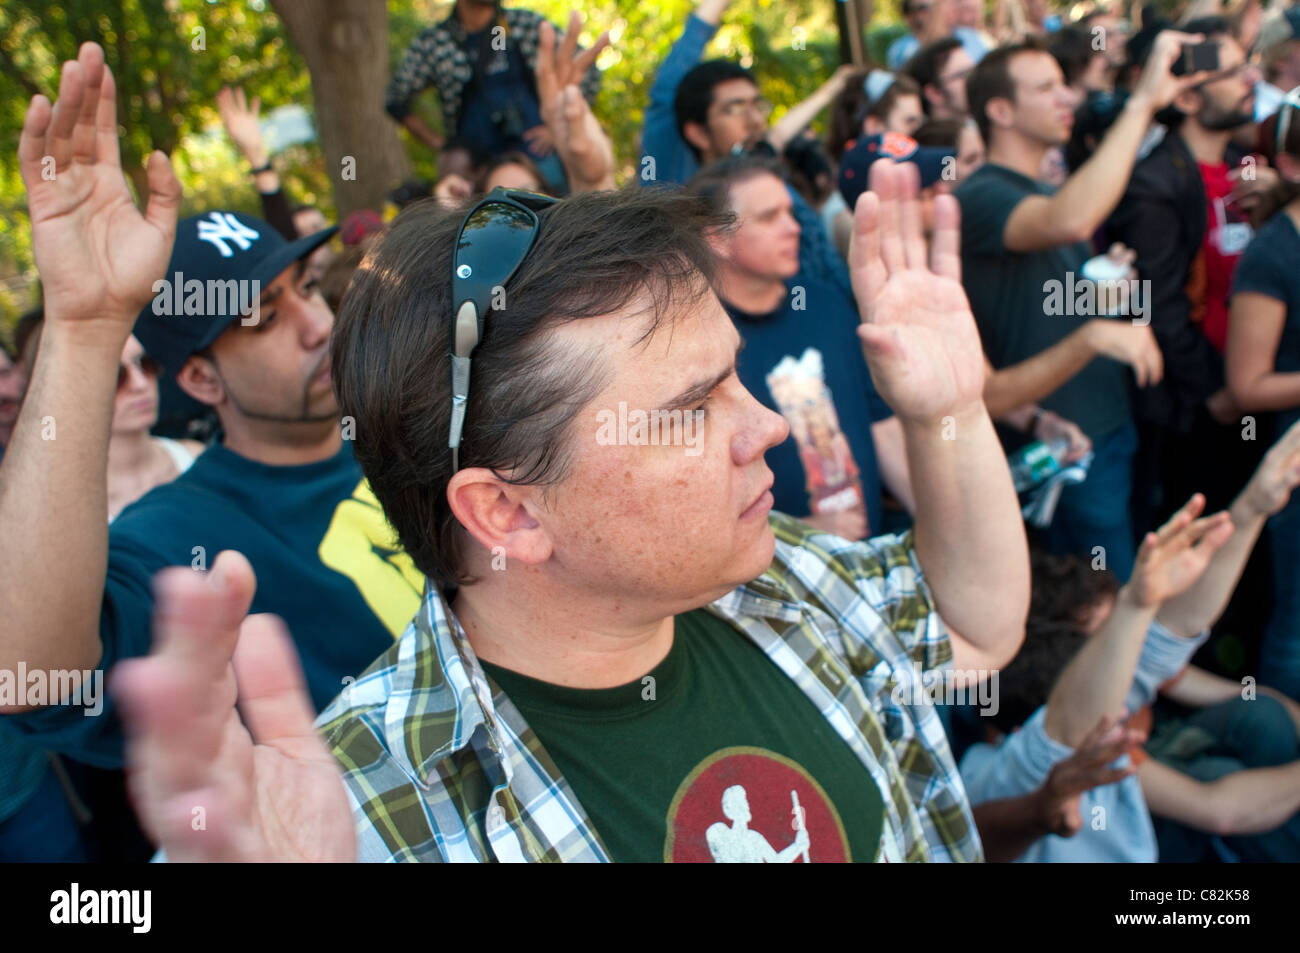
145,364
493,242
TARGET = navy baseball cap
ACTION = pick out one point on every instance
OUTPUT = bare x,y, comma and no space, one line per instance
855,165
220,264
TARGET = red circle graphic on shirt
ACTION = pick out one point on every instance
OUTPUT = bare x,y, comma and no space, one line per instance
747,805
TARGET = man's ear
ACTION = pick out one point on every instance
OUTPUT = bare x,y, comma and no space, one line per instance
1188,102
719,242
499,515
1000,111
933,95
697,135
198,377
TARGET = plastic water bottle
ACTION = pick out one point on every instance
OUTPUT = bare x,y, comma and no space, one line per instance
1036,462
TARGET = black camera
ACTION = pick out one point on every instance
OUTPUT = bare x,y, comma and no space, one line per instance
509,123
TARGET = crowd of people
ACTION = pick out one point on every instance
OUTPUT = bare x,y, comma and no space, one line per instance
954,433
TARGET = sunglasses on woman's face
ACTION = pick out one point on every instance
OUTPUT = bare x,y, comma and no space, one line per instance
145,364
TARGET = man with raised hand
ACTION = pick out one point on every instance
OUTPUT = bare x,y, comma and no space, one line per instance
702,637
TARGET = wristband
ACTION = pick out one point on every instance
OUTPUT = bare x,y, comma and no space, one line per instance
262,168
1038,419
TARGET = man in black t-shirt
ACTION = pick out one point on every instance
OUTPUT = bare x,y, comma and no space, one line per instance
1021,239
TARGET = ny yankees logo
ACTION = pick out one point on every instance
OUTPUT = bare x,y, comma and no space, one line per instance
225,227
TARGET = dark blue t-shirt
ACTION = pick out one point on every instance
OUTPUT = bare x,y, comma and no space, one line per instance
1268,267
827,324
320,546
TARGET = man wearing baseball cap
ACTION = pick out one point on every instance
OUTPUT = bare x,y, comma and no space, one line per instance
235,323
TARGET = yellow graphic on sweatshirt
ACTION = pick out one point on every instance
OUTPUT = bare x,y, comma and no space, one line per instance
362,546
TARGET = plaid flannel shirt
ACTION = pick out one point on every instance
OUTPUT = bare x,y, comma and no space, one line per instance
437,57
440,766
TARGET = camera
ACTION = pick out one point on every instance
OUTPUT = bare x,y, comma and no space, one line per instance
1197,58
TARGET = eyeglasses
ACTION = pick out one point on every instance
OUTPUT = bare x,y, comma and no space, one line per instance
493,242
1226,73
734,108
1289,105
145,364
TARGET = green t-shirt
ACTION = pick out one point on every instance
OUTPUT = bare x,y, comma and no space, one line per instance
715,755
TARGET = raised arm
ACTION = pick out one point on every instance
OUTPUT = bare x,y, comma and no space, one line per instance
583,146
98,258
1098,679
239,116
1087,198
926,361
1267,492
797,118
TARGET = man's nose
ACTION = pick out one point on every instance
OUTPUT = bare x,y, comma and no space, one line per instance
316,321
766,429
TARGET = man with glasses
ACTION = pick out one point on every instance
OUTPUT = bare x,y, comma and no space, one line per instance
1184,213
700,112
282,486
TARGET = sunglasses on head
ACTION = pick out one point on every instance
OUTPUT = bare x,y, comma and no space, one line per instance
145,364
492,243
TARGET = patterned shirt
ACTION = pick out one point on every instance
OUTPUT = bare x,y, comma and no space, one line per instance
438,58
440,766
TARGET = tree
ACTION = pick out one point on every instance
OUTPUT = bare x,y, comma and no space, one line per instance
345,44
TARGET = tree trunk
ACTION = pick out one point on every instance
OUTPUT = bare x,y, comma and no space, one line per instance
345,44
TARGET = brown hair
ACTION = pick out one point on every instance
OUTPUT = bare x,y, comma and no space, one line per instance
991,79
1284,193
597,254
901,86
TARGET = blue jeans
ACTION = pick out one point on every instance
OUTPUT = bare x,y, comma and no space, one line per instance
1251,734
1279,652
1096,512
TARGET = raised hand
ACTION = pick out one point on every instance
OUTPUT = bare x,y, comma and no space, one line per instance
1157,85
565,66
98,257
585,150
266,787
1170,560
918,332
242,125
1087,768
1277,475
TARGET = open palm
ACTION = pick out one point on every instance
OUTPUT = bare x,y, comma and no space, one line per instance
918,331
1171,559
210,782
98,256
